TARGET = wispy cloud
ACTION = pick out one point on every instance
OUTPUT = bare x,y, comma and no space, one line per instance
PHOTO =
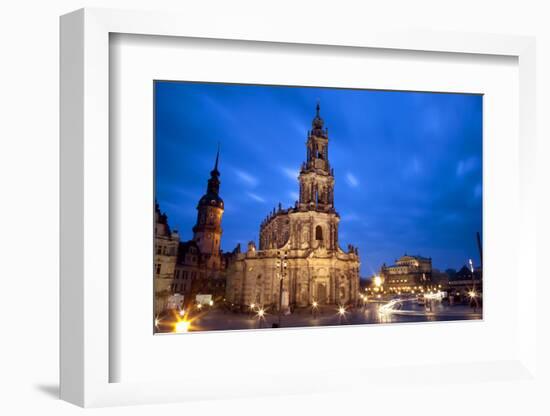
352,180
452,217
246,178
216,107
350,216
290,173
256,197
466,166
413,167
299,126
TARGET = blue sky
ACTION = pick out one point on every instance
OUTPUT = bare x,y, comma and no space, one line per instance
407,165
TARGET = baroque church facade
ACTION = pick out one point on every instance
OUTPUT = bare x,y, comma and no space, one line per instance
299,260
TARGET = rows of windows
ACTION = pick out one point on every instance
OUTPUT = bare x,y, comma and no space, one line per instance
165,250
185,286
178,287
184,274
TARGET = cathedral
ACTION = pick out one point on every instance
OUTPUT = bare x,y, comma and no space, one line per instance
299,260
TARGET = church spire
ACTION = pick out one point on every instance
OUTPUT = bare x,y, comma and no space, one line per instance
316,176
215,171
214,181
207,231
317,123
217,158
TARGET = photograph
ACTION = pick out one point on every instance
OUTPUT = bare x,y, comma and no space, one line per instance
296,206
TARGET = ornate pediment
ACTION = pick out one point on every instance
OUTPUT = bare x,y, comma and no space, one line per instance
320,252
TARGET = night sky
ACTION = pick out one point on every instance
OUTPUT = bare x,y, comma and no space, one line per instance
407,165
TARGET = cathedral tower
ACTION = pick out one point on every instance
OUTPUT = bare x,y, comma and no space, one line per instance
316,176
317,270
208,231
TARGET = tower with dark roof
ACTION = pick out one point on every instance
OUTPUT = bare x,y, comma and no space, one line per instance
207,230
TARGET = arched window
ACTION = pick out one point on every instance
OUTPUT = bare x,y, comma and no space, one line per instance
319,233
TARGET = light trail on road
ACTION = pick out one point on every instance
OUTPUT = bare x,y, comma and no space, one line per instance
390,309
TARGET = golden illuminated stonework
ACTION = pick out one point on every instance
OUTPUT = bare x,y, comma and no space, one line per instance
299,251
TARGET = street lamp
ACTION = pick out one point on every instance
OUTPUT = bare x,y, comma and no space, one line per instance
281,265
472,293
341,313
182,326
473,297
314,307
260,315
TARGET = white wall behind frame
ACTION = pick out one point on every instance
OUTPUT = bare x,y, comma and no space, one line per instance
138,60
29,31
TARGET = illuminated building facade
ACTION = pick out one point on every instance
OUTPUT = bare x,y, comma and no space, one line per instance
166,250
298,249
409,273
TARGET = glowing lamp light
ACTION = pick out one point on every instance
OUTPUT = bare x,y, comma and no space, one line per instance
377,281
182,312
182,326
211,303
341,311
199,306
252,306
261,313
315,304
157,322
472,294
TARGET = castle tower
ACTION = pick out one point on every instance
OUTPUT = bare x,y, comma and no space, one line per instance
316,176
207,231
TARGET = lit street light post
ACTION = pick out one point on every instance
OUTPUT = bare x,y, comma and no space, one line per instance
341,314
314,307
473,294
281,265
261,314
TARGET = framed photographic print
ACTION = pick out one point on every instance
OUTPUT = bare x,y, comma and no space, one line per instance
401,164
320,210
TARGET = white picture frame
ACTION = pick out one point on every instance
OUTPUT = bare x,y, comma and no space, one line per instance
86,217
